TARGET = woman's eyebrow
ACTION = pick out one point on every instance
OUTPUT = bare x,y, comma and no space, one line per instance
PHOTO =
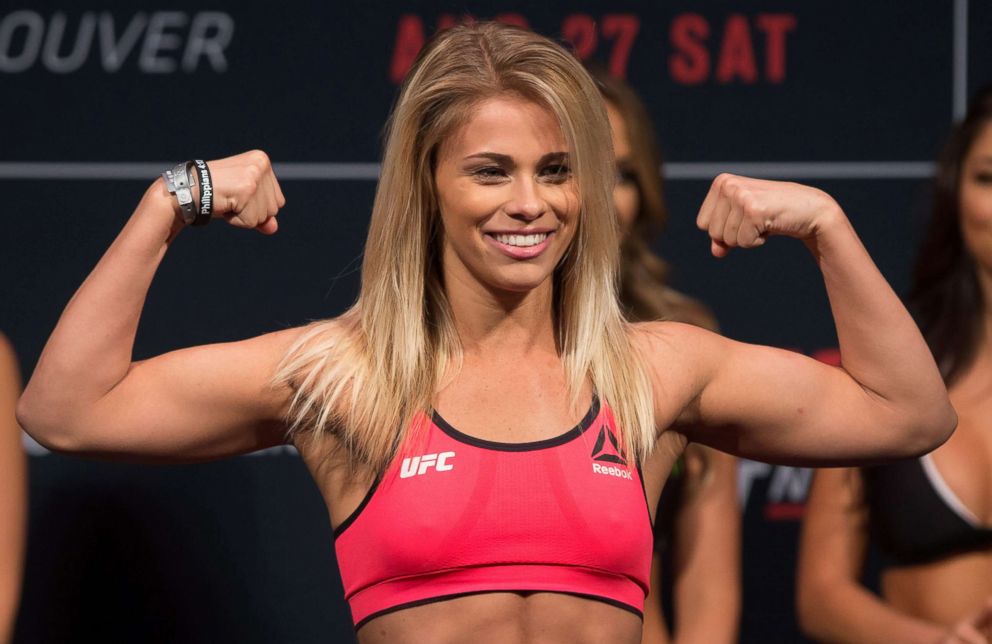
507,160
502,159
553,157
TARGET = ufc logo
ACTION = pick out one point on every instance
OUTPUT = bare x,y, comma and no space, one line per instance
417,465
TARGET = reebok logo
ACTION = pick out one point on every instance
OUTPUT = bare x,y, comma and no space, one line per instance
417,465
612,471
607,449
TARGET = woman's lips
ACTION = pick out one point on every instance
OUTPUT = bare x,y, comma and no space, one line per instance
519,252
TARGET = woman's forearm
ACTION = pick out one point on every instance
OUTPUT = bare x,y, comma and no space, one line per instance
880,345
91,347
707,583
844,611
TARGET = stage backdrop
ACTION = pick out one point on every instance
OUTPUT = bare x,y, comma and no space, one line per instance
97,98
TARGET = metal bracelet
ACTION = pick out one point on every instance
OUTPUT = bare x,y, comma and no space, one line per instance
177,182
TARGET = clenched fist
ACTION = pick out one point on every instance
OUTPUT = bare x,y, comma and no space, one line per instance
245,192
743,212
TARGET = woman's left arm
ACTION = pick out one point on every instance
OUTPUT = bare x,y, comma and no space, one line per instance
887,399
707,550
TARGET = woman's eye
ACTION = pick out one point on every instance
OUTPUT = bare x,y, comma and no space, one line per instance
557,173
489,174
984,177
626,176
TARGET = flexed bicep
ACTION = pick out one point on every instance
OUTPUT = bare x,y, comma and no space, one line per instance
192,404
886,401
87,395
778,405
772,404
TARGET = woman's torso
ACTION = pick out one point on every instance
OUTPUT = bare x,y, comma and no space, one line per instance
945,587
502,404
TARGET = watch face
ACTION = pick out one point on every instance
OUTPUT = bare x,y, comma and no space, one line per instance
184,196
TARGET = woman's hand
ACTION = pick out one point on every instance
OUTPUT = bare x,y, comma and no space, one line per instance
743,212
246,192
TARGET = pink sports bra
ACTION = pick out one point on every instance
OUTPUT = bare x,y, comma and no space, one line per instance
459,515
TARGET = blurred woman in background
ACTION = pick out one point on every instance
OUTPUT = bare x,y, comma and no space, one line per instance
931,517
697,525
13,492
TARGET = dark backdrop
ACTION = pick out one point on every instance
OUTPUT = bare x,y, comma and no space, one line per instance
853,97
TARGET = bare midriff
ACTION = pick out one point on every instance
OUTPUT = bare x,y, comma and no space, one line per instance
513,618
944,591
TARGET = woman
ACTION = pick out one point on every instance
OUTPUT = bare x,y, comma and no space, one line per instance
431,413
13,492
931,517
697,524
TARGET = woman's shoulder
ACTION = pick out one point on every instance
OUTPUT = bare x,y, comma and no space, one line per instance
680,358
669,335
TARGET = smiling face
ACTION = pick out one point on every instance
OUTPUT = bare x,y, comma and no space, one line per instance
509,203
976,199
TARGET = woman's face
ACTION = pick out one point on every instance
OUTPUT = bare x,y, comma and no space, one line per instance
626,196
509,204
976,199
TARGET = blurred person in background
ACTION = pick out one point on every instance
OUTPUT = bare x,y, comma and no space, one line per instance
930,517
697,524
13,492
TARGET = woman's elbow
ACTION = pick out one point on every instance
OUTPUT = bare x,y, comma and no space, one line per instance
931,430
810,609
42,423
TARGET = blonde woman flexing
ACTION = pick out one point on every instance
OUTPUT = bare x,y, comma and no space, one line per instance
489,434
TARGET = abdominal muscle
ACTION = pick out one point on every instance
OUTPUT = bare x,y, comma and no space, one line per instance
513,618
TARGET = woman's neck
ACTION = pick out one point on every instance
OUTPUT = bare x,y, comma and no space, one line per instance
514,323
973,383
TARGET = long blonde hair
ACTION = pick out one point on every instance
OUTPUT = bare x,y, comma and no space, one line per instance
368,374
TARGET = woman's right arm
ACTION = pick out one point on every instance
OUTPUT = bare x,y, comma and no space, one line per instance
87,395
831,602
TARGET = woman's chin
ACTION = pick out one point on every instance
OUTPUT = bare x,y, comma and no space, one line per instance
521,282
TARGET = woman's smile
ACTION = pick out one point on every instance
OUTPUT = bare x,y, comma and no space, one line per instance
523,245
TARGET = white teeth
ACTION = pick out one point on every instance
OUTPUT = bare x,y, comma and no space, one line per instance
521,240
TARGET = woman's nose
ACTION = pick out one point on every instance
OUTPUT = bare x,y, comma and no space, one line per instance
525,202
